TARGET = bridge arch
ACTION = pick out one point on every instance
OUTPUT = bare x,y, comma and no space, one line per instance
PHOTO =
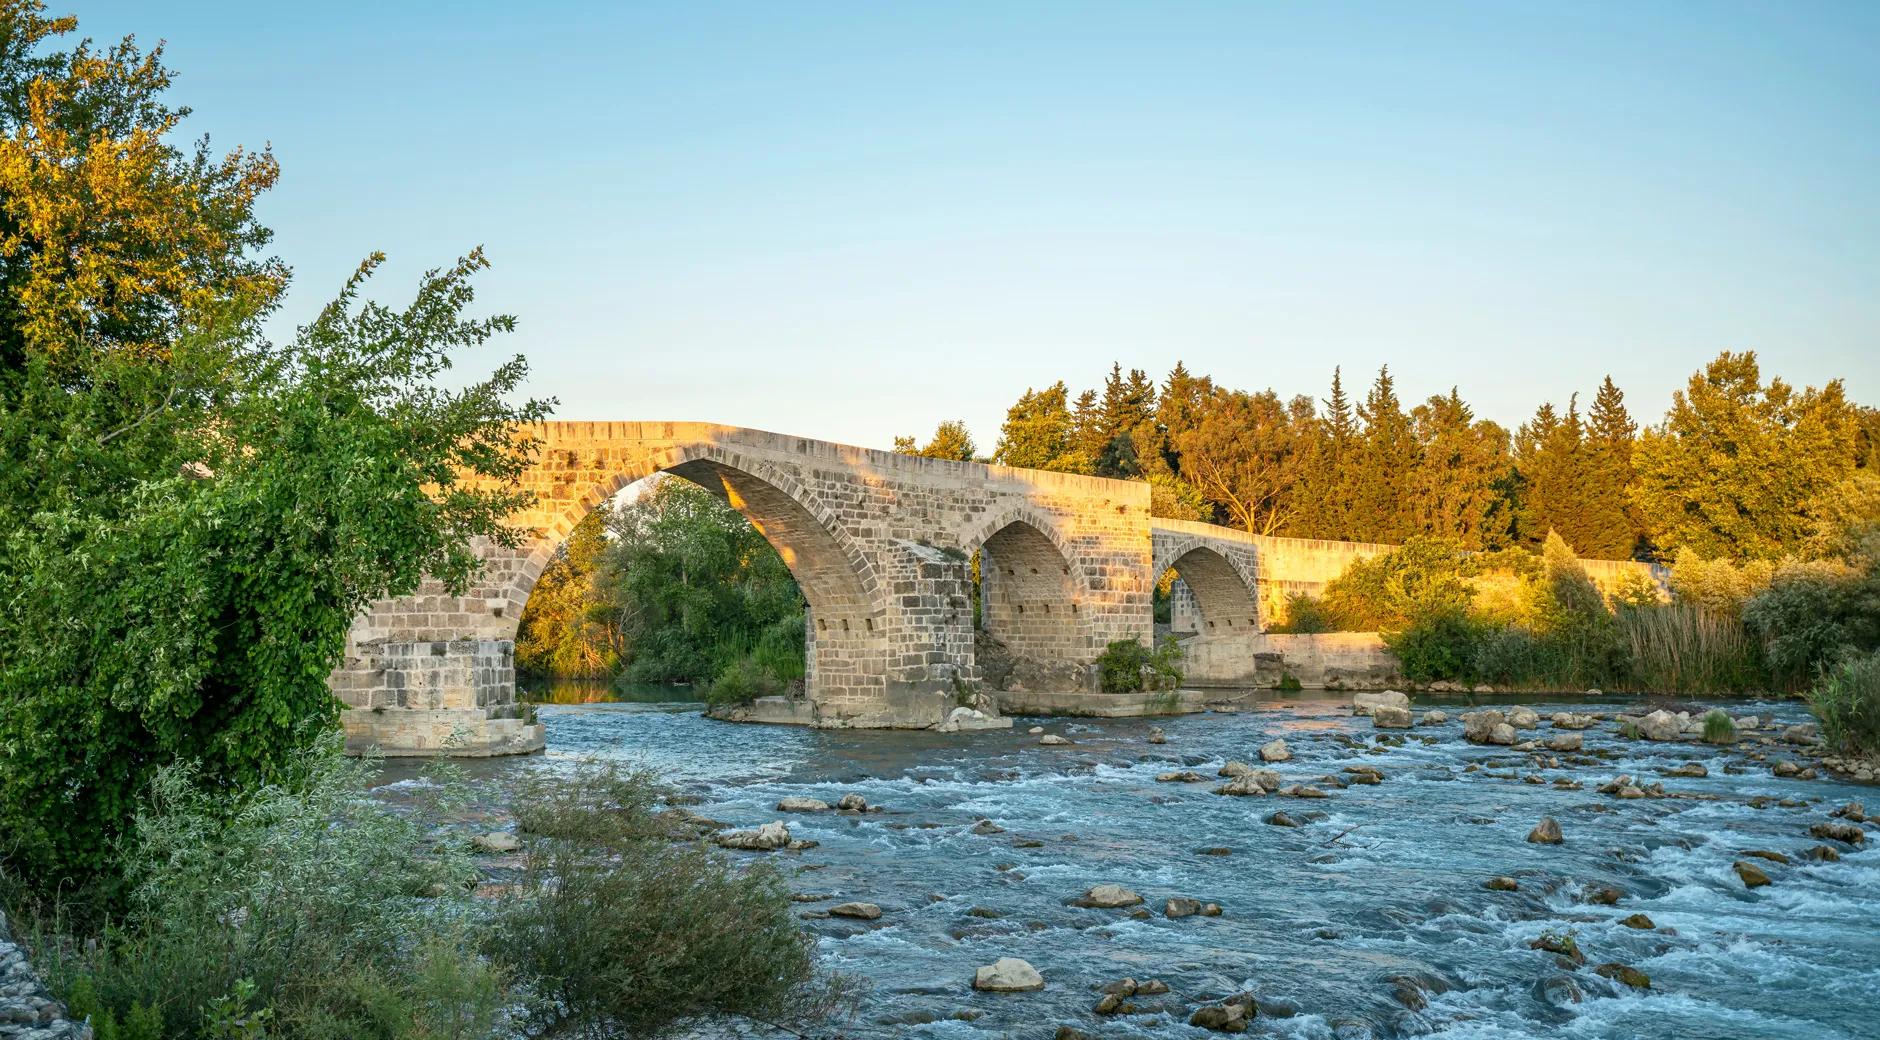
836,578
1224,590
1031,592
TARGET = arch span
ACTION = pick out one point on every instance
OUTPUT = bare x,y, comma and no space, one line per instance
1029,603
1224,596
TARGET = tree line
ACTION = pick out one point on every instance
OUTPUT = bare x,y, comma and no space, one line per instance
1739,467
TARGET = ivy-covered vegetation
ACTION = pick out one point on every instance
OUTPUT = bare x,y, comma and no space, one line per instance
1126,666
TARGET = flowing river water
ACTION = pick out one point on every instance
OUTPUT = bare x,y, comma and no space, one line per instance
1326,924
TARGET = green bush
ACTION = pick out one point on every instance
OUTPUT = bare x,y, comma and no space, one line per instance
1422,578
1126,666
1289,683
305,905
1439,645
1512,656
1811,614
1847,703
742,682
1719,728
621,931
1307,614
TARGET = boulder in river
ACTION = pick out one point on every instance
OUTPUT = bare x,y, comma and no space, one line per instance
1626,974
1546,832
1501,884
1523,718
1281,819
1569,720
768,838
1156,736
1502,734
1053,740
1477,725
1805,733
1181,906
852,803
1008,975
1638,921
1107,897
858,911
1837,830
1564,742
1559,945
1235,769
1184,776
1229,1016
1823,854
1275,751
796,804
1694,770
1434,718
1660,725
1252,783
1752,875
1386,716
1366,702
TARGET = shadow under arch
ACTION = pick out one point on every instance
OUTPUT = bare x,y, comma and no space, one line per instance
1030,593
1223,595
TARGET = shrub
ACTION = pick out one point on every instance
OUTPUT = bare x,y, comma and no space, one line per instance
1689,649
1126,666
1515,657
1719,728
1289,683
1306,614
1812,613
1847,703
620,931
1439,645
1423,577
741,682
309,907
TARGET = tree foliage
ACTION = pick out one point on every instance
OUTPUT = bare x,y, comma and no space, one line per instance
191,516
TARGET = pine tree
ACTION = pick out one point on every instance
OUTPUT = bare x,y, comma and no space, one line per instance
1387,452
1551,461
1328,467
1455,491
1612,528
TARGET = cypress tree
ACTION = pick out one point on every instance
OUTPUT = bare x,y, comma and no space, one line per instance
1387,454
1612,528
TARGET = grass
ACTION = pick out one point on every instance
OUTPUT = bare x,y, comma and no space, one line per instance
1684,648
1846,702
1719,728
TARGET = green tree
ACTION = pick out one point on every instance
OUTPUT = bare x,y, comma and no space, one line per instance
568,628
1743,469
1381,510
1038,433
950,441
1460,463
191,517
1550,452
1243,457
1612,530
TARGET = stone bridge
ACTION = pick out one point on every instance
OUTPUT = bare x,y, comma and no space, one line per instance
882,546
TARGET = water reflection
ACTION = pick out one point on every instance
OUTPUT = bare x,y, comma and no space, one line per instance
604,691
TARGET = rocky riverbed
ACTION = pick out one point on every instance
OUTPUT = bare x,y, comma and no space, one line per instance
1299,870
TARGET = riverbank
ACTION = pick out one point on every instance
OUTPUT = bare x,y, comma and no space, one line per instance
1371,919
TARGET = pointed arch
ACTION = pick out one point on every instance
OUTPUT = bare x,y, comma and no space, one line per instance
1223,587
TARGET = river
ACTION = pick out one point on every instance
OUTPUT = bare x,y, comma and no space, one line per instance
1323,923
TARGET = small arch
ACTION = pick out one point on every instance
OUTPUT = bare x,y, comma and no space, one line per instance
1024,573
1222,593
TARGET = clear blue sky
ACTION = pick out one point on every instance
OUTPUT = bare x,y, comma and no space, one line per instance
851,221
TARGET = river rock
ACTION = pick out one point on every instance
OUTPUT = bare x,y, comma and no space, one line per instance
1502,734
496,842
987,827
1367,702
1638,921
1523,718
1107,897
1387,716
858,911
1806,733
1564,742
1301,791
1546,832
1434,718
1771,856
1625,973
1179,907
1662,725
1275,751
1008,975
1560,946
1501,884
1823,854
1035,730
1694,770
1752,875
1185,776
1569,720
1229,1016
768,838
1605,895
1853,811
1156,736
1053,740
1281,819
794,804
852,803
1837,830
1480,724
